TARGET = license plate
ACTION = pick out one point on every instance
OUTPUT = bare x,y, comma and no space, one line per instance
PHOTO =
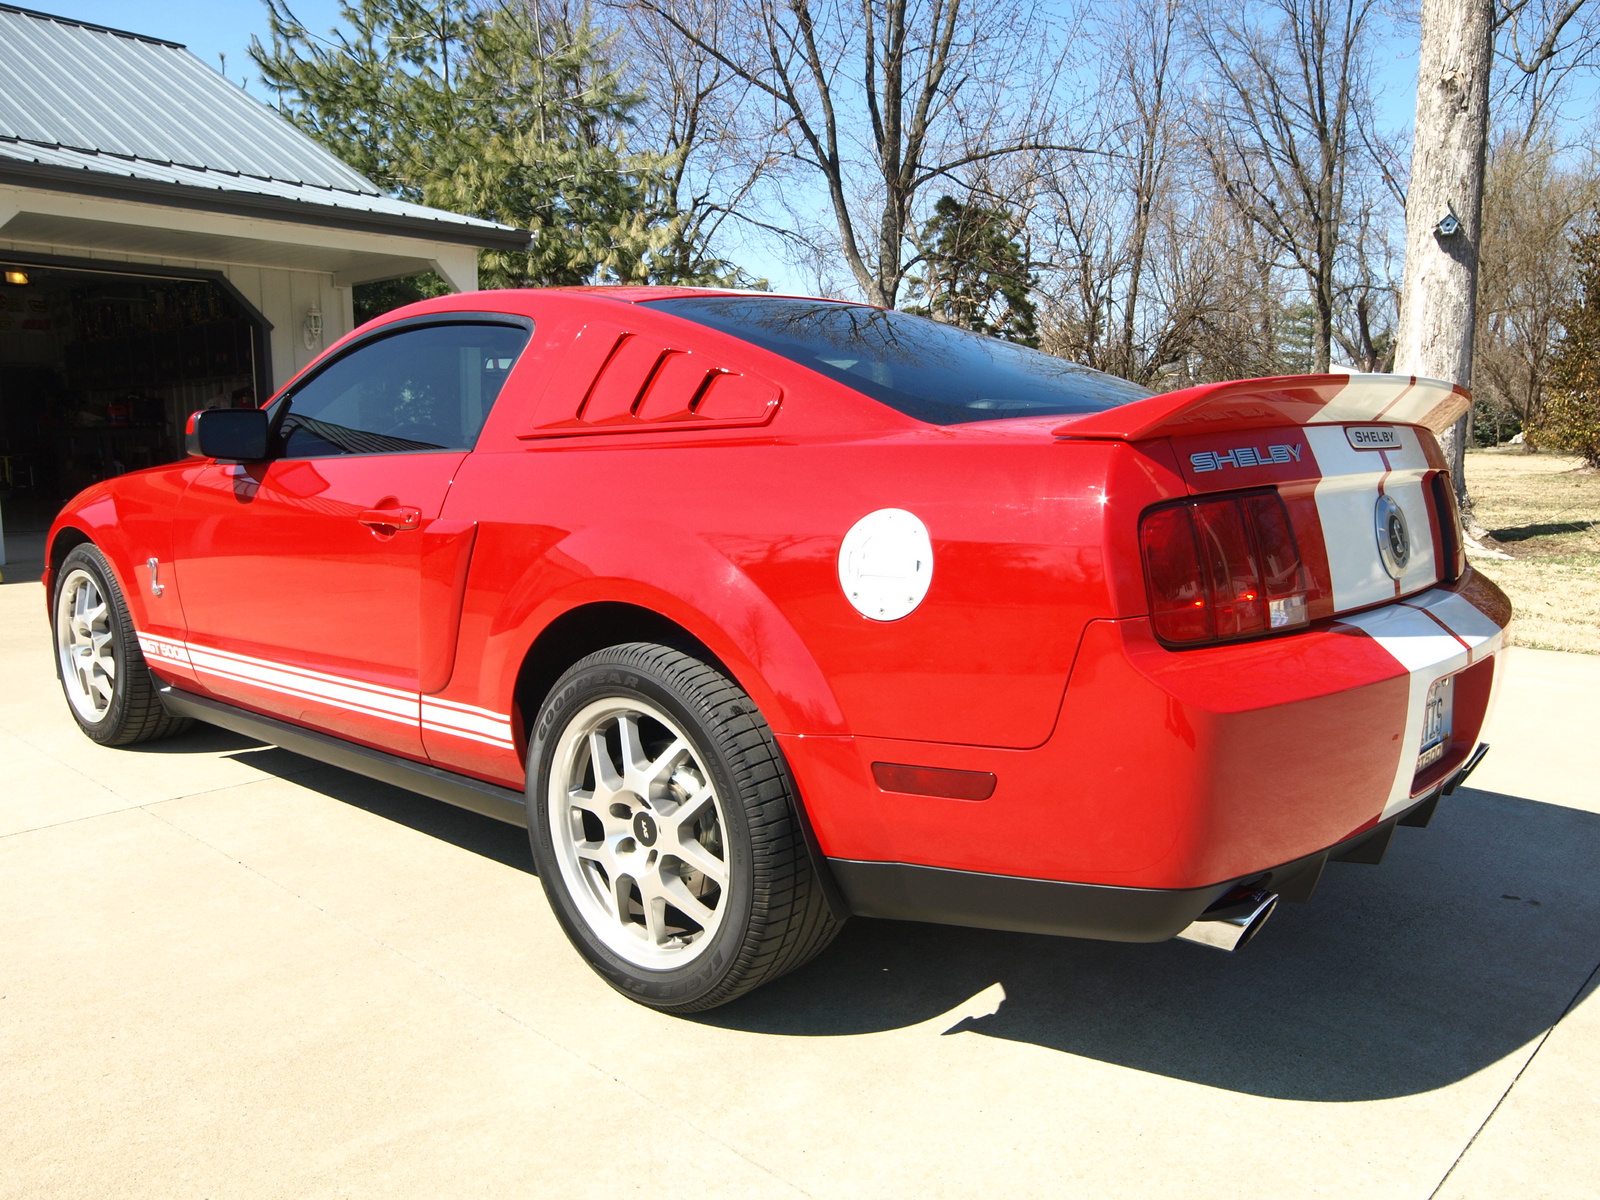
1436,722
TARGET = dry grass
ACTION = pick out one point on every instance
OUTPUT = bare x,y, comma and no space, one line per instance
1544,511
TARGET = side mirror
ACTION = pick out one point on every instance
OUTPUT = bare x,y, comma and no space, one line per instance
236,433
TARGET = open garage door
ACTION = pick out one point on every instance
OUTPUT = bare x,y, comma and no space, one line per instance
99,369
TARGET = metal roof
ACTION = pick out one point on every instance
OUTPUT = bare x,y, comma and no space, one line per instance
83,99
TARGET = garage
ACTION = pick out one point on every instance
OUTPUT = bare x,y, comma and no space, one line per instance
168,243
99,370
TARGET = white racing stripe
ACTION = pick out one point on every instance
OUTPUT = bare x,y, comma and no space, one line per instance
1347,496
1425,635
1482,636
449,717
1405,399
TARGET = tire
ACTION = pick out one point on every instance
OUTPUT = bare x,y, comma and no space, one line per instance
109,689
683,877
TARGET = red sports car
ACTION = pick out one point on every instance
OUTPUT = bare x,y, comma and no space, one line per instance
761,611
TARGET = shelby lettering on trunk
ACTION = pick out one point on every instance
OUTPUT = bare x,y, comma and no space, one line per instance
1244,456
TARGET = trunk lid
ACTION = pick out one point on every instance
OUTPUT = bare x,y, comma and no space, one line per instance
1353,456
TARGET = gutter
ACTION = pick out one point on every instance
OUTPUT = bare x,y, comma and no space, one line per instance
86,181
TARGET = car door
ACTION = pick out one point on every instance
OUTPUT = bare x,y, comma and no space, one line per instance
302,576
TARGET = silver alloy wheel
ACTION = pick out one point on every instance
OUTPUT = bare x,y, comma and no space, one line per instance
86,646
638,830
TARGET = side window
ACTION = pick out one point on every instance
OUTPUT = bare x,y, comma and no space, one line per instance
427,388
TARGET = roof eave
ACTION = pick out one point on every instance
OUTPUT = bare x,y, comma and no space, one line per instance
243,204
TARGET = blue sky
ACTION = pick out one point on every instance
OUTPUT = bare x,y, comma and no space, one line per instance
208,27
211,28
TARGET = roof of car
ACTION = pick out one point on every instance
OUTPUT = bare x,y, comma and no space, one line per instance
645,293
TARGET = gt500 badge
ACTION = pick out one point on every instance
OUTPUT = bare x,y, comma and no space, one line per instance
1244,456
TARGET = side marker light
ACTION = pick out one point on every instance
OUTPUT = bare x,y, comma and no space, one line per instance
934,781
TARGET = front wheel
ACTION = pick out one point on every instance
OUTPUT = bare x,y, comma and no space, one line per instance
108,687
665,830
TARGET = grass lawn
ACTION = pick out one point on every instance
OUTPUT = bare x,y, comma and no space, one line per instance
1544,510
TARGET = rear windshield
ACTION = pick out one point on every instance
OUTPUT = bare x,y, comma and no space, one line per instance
933,372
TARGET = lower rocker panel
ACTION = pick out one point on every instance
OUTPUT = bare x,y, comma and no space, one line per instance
488,799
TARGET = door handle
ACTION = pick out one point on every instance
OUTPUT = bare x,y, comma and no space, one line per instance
397,518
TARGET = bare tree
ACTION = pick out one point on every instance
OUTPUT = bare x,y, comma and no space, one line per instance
1444,202
1215,297
1540,45
1095,214
1438,315
689,114
1081,222
1279,128
1532,204
1144,49
1366,303
880,100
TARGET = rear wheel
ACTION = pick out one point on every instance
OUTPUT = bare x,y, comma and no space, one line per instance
109,689
665,831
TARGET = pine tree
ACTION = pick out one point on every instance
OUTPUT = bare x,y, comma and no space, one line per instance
493,110
974,273
1570,420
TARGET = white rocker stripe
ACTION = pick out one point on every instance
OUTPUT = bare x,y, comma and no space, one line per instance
467,721
473,709
246,663
501,743
288,685
449,717
476,718
348,694
164,649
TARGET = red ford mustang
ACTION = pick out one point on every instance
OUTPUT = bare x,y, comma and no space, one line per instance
761,611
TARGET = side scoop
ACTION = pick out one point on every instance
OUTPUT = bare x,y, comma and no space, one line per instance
1285,400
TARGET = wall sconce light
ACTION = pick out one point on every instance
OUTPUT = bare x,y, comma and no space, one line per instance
312,329
17,278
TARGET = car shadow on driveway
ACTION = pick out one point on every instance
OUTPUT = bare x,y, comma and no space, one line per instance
1468,942
496,840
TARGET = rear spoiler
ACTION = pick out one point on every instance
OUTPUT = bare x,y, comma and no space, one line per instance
1285,400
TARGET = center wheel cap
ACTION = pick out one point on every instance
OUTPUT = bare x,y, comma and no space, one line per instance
644,828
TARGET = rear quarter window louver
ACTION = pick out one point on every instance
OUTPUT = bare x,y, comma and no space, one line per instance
616,381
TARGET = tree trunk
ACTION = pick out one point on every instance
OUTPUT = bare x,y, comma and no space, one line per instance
1438,303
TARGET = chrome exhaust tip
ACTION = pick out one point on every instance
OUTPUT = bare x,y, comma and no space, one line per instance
1231,927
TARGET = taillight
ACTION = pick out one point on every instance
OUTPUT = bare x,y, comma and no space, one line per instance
1451,534
1222,568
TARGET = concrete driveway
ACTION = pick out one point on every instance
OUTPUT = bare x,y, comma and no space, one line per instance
226,971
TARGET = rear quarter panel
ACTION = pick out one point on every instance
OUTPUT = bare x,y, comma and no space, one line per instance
735,534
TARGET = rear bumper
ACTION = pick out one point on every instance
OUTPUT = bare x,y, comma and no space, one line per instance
1180,771
906,892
